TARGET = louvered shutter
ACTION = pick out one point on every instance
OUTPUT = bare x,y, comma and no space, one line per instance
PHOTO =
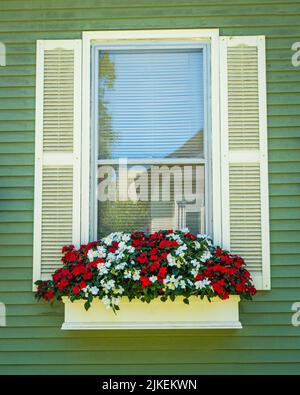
57,152
245,209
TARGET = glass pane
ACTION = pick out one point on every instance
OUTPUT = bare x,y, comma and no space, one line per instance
150,104
149,198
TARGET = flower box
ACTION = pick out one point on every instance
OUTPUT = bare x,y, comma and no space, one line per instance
198,314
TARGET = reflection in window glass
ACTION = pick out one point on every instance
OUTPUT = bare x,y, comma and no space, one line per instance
155,197
150,108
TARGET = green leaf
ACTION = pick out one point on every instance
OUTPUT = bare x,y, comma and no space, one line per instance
87,305
186,301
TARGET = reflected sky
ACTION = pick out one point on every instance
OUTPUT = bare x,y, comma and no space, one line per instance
153,105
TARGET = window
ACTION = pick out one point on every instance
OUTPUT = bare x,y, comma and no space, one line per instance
182,112
150,132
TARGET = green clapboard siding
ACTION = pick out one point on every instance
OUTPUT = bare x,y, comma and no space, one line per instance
33,342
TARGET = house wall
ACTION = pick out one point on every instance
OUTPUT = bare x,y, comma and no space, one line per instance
32,341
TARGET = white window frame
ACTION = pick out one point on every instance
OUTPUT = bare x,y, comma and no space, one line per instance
163,38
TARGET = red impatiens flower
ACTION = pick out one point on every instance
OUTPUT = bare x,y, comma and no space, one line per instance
190,236
79,269
252,290
48,295
162,273
199,277
225,295
238,262
136,242
71,256
219,268
142,258
226,258
239,288
167,243
218,252
88,276
66,274
76,289
67,248
145,281
155,266
90,246
93,264
62,284
218,287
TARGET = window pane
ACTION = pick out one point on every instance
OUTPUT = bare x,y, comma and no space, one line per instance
150,104
154,197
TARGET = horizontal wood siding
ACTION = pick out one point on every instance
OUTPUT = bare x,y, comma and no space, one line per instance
32,342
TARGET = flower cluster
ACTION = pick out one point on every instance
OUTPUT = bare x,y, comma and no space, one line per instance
164,264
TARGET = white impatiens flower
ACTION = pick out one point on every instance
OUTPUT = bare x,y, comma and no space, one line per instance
111,257
127,274
185,230
130,249
126,237
115,301
102,269
175,237
94,290
121,266
101,251
88,289
190,282
171,260
107,240
172,282
194,272
182,284
196,265
204,237
202,283
136,275
107,286
180,250
90,255
205,256
119,290
106,300
197,245
153,279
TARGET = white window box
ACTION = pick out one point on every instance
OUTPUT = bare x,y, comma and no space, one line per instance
199,314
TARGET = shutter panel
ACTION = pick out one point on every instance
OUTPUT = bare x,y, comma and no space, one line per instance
245,209
57,152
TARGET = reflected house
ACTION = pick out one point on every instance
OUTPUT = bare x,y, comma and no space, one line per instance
183,212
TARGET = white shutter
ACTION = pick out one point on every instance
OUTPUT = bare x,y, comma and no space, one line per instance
57,152
244,168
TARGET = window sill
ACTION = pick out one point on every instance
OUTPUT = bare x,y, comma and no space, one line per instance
199,314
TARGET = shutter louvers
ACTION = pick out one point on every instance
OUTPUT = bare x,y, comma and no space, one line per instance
245,209
57,162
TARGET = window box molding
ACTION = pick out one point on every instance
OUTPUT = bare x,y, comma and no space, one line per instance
199,314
